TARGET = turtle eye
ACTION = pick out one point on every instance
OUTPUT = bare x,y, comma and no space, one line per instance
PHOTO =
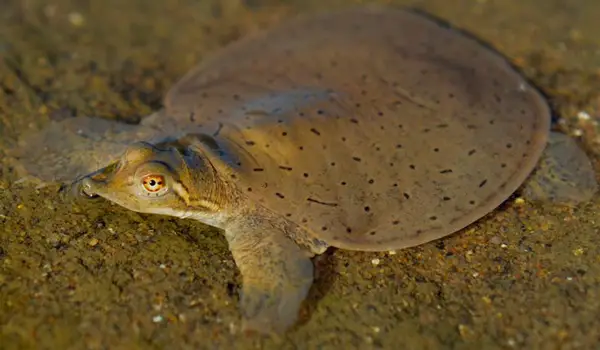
153,183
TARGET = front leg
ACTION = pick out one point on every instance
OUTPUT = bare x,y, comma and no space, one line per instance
276,274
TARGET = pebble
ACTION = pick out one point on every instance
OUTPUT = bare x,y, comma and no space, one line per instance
93,242
583,116
375,261
578,251
76,19
157,319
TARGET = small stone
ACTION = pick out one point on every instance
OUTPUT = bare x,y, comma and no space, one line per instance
76,19
519,201
583,116
495,240
157,319
578,251
375,261
93,242
465,331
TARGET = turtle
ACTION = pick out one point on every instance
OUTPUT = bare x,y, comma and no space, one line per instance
370,128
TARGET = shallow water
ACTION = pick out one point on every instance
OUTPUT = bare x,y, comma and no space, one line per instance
94,275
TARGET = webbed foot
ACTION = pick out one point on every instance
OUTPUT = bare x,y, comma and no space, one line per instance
276,276
564,173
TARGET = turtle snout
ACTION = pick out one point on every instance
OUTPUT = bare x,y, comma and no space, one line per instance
86,188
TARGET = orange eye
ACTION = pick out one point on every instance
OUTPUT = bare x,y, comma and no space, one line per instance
153,183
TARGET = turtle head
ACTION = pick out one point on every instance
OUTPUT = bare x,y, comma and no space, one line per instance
173,178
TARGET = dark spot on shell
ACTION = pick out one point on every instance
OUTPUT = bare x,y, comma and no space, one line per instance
343,183
472,202
305,174
249,189
482,183
323,228
436,149
426,130
446,171
492,122
380,114
258,169
315,131
348,230
354,121
406,195
279,195
471,126
433,218
332,163
471,152
343,139
356,159
398,146
503,165
284,133
288,215
446,198
287,168
441,126
301,148
367,209
509,145
395,222
372,233
412,166
371,181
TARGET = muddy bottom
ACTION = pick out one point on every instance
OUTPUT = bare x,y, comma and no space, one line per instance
92,275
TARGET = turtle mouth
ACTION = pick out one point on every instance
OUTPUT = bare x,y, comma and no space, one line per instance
85,191
78,189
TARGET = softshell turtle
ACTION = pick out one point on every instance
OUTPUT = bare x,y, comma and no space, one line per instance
368,129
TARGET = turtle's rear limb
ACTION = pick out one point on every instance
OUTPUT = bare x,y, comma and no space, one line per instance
564,174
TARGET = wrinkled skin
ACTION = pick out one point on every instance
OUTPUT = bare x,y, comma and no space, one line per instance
186,180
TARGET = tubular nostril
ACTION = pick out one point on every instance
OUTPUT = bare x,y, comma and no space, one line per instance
83,189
